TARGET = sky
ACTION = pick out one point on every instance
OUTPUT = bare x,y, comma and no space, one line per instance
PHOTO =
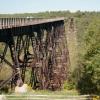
34,6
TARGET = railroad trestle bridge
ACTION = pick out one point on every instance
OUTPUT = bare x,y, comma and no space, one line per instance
37,44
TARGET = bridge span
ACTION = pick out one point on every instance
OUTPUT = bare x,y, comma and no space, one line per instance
37,44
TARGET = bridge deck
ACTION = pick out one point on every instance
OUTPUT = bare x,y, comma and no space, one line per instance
19,22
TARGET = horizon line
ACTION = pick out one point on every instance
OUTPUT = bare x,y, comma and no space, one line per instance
71,11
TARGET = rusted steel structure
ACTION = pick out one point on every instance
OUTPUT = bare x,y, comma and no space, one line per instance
39,44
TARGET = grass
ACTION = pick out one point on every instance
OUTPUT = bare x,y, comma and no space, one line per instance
62,92
5,72
43,95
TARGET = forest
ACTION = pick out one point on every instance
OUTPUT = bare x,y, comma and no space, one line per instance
84,48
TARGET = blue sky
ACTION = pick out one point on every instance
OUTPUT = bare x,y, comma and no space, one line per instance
22,6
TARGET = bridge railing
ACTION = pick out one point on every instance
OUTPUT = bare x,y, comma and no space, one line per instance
15,22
